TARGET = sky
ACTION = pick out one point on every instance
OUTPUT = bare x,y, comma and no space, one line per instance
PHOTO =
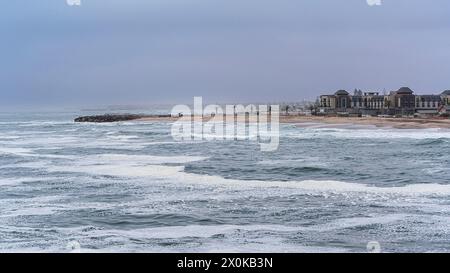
167,51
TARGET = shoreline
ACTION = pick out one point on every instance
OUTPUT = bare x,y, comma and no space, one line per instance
383,122
397,123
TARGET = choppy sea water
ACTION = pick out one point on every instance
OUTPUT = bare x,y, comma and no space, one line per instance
129,187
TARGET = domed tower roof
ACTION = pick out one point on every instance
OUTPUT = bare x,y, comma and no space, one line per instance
341,93
446,93
405,91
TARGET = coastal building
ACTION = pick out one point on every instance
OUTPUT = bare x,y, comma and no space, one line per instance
428,104
402,102
445,97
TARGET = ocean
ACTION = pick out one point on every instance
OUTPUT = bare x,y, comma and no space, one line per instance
129,187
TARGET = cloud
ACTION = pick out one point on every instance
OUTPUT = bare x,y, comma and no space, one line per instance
171,50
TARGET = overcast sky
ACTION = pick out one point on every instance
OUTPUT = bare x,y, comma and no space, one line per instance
167,51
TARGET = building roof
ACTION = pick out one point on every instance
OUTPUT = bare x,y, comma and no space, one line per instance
446,92
341,93
405,91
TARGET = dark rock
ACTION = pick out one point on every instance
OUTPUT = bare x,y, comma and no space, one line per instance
109,118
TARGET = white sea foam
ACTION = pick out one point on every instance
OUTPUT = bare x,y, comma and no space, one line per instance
144,166
45,141
6,137
24,152
144,159
318,125
16,151
124,171
309,161
115,240
43,123
168,143
14,181
119,165
380,133
317,185
209,231
42,205
230,236
24,179
123,137
29,210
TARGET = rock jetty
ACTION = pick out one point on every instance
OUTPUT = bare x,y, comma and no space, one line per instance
110,118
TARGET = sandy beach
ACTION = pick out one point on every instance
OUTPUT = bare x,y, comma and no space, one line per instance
398,123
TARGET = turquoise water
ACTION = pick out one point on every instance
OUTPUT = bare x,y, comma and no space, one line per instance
130,187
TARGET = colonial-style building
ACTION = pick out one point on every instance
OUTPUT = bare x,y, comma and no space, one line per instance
445,96
401,102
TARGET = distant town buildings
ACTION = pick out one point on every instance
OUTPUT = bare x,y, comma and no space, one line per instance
402,102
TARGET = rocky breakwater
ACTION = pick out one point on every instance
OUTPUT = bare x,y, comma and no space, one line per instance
115,117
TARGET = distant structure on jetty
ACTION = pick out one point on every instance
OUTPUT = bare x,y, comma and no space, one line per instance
402,102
